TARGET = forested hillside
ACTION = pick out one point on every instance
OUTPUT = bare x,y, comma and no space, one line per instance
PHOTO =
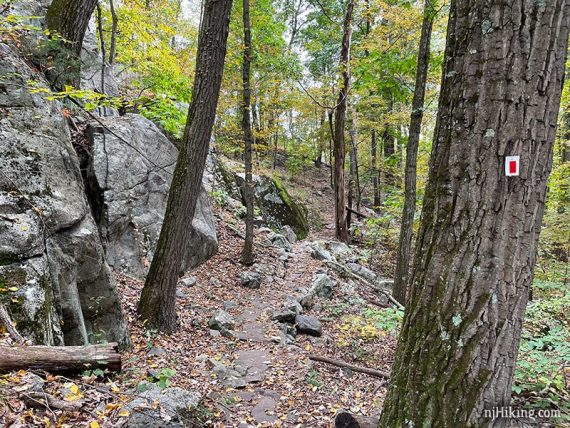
307,213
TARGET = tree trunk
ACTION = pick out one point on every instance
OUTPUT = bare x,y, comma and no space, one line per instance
114,25
389,146
339,149
407,230
60,358
374,168
476,248
354,182
70,19
247,253
157,303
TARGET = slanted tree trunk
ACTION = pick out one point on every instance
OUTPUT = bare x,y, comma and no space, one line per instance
70,19
339,149
476,248
157,303
407,230
247,253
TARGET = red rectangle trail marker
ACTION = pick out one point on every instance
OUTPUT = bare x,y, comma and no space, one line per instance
512,166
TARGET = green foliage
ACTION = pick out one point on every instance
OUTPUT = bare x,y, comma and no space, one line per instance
388,319
544,358
166,113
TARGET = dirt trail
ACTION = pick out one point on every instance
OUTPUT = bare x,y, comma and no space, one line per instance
256,378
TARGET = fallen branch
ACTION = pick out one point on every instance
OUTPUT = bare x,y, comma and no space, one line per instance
338,363
60,358
366,282
5,319
356,213
37,399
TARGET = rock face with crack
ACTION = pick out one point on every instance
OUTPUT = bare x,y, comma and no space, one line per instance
128,176
60,289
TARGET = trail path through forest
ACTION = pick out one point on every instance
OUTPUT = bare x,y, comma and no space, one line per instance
257,375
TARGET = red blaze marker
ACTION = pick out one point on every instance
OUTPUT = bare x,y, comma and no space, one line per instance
512,166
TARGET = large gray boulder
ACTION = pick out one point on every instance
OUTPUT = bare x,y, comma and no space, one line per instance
128,178
55,282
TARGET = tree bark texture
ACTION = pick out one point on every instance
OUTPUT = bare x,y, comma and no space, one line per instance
58,359
157,303
339,149
70,19
476,248
407,230
247,253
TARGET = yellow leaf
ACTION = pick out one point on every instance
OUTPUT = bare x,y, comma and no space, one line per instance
13,288
94,424
124,413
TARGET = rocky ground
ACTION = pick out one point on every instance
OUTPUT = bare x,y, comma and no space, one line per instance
241,355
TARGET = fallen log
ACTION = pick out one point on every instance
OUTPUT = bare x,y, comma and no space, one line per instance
338,363
57,359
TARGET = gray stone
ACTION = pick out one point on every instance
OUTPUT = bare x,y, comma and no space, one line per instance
322,286
50,248
386,283
181,294
310,325
263,411
153,352
288,232
226,375
189,282
229,304
252,364
283,315
362,271
319,253
221,320
279,241
128,180
175,408
250,279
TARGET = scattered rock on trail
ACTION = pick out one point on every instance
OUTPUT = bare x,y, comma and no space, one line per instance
319,253
322,286
386,283
310,325
221,320
174,410
250,279
189,282
289,234
362,271
279,241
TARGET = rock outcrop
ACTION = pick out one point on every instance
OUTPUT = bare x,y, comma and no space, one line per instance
128,177
277,208
54,280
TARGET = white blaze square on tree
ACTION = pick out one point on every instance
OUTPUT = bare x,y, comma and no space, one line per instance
512,166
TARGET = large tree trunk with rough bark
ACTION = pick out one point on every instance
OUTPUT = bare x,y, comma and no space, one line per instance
157,303
247,253
476,248
407,230
339,149
70,18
